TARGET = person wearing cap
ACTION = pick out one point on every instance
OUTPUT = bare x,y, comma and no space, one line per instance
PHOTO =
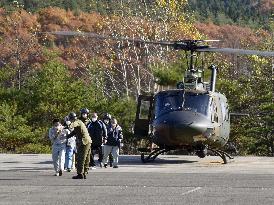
83,142
113,143
98,133
58,138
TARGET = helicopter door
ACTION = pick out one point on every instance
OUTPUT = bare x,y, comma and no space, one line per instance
143,116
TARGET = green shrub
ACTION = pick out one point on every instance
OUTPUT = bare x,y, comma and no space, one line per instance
34,149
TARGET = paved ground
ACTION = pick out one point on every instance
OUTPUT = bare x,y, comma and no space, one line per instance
28,179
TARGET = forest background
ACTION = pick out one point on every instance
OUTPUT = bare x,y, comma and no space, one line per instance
44,76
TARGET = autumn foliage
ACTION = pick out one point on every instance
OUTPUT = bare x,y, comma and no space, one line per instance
50,75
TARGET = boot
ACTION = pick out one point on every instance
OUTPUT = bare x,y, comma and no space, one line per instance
78,176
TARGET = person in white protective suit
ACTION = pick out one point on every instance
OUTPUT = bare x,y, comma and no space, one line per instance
57,136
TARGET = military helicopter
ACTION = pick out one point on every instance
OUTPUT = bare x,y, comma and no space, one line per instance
192,117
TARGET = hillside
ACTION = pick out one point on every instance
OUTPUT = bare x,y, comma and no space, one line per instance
252,13
43,76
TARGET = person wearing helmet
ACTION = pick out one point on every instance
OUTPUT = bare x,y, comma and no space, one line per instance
84,112
106,119
83,143
57,136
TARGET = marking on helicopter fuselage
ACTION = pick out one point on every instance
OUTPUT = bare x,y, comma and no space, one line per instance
191,191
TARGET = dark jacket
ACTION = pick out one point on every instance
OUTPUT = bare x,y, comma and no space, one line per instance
115,136
97,131
108,127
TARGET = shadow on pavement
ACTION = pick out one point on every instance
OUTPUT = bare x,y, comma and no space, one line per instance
123,160
32,169
44,162
136,160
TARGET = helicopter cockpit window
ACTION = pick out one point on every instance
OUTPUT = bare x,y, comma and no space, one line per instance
144,110
197,102
167,102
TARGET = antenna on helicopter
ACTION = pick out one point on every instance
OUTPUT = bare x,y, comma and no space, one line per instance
213,69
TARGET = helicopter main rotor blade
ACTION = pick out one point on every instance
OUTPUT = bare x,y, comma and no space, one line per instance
238,51
188,45
99,36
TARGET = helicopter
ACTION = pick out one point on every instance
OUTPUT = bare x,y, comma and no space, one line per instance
193,116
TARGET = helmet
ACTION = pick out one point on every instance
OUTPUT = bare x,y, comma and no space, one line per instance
72,116
107,116
66,118
84,110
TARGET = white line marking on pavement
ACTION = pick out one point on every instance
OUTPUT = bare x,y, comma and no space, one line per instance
192,190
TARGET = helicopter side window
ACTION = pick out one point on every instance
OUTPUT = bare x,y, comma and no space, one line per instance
144,110
214,111
216,115
224,113
227,113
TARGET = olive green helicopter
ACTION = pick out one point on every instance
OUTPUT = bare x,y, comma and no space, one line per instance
193,117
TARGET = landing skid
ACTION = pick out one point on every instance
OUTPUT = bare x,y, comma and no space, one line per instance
221,154
157,151
152,156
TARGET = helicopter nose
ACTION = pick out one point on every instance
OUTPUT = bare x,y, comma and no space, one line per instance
191,123
180,127
196,127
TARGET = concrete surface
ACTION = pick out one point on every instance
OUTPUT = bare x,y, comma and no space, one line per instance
28,179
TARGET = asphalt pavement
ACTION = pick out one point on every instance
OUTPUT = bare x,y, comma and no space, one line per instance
171,179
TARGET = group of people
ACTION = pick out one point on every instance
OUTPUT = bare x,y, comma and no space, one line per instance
84,137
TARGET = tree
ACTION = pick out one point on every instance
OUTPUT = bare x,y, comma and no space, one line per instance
251,93
54,94
13,128
20,51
